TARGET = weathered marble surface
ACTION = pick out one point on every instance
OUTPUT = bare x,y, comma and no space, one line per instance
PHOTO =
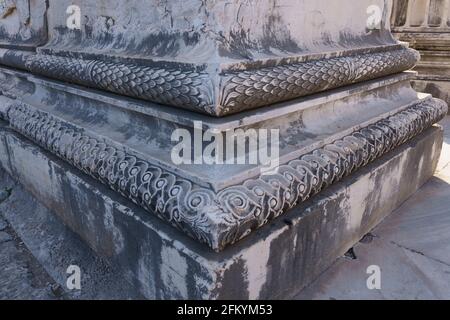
271,56
220,204
34,264
103,101
23,23
218,57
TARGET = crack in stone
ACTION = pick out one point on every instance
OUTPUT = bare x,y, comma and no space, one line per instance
419,253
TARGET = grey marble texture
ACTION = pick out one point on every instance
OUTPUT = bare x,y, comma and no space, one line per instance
425,26
88,116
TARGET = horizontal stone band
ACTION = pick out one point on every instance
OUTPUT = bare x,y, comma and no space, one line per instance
237,91
224,217
256,88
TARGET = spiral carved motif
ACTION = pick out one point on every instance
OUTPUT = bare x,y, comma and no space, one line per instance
222,218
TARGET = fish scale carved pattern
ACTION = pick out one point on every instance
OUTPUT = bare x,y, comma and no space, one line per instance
180,88
222,218
251,89
184,88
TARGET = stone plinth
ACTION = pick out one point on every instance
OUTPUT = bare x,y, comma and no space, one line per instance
275,262
425,25
89,118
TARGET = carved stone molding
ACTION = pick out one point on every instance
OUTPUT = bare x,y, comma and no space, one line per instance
425,25
236,91
224,217
420,16
175,87
255,88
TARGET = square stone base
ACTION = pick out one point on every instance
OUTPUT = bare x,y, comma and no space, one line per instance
275,262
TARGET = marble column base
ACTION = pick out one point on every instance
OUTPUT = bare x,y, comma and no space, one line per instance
276,261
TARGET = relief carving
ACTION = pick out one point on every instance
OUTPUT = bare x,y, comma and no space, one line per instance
240,91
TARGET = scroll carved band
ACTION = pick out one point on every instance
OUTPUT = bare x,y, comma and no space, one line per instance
224,217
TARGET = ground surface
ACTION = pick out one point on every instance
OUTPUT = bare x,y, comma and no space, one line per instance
411,248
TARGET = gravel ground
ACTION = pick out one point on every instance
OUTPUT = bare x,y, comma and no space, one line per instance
21,275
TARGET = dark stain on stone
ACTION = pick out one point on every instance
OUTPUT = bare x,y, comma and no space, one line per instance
142,249
5,194
239,43
400,11
7,11
229,290
23,35
299,262
374,213
77,107
277,34
88,29
280,276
